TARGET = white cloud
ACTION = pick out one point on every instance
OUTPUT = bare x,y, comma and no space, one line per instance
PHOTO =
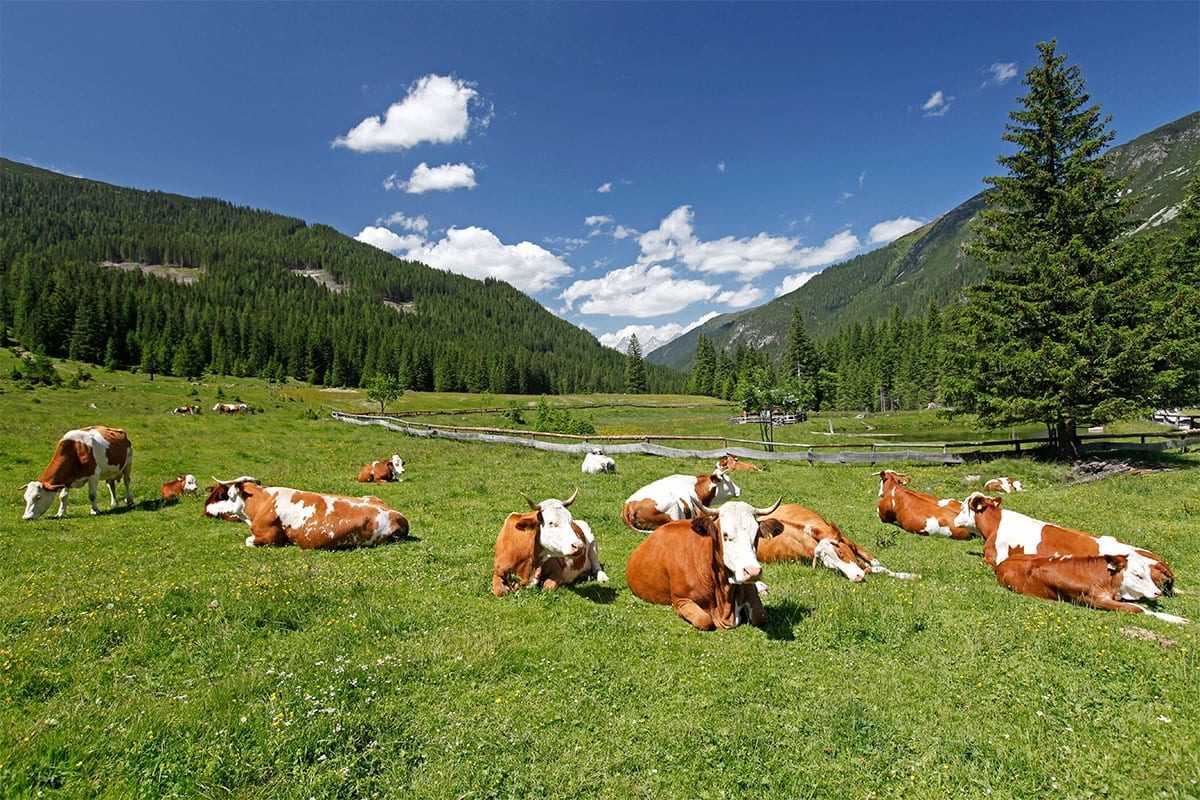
793,282
651,337
836,248
621,232
640,290
845,196
418,223
435,110
892,229
721,167
1001,73
597,219
390,241
425,178
862,178
604,188
743,297
937,104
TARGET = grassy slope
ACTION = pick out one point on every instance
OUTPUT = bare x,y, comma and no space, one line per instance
149,653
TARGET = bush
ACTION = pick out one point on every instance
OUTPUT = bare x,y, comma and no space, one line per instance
560,420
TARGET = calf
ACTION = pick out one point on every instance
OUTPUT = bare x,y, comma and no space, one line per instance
796,533
676,497
915,511
310,520
705,568
1093,581
190,408
596,462
176,487
730,463
546,547
1006,531
385,470
1005,484
86,455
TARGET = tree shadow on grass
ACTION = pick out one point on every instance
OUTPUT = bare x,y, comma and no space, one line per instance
783,618
595,592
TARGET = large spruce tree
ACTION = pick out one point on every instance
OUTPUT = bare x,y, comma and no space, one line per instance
1054,334
635,367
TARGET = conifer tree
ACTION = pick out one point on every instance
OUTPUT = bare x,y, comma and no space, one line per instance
635,368
704,367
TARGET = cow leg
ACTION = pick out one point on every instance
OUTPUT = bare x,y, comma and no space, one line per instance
62,503
93,490
128,493
694,614
1109,604
551,574
112,492
265,535
594,566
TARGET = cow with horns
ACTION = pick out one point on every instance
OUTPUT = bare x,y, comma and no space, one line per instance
545,546
676,497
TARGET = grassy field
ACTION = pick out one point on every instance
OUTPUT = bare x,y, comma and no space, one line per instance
148,653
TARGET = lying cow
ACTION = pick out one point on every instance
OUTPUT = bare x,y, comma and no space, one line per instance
706,568
176,487
676,497
730,463
596,462
310,520
545,546
190,408
915,511
1094,581
380,471
796,533
217,504
1006,531
231,408
86,455
1005,484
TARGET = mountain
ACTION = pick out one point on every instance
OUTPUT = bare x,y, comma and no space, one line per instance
928,263
177,284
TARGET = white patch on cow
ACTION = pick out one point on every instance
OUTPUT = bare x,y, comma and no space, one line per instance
762,587
556,534
1136,583
250,541
675,495
943,503
397,465
826,553
189,483
1016,532
935,528
37,500
292,514
738,528
383,523
1166,618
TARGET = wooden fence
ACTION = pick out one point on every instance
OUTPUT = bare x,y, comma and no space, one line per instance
867,453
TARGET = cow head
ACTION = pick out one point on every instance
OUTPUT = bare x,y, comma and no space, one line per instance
555,533
1137,582
597,451
38,497
189,483
724,485
227,499
976,503
397,466
837,555
891,475
735,529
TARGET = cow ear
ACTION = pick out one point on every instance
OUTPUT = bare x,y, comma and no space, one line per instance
904,480
770,527
1116,563
528,522
703,525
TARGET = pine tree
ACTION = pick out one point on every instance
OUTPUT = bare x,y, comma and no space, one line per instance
800,358
1046,336
704,367
635,368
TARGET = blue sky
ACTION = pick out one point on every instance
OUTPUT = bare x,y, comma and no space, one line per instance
633,166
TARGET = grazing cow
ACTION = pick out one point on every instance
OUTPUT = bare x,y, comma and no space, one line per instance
190,408
231,408
545,546
172,489
596,462
310,520
676,497
706,568
796,533
1093,581
380,471
730,463
1005,484
86,455
1006,531
915,511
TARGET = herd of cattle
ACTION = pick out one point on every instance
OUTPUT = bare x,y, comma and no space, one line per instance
704,550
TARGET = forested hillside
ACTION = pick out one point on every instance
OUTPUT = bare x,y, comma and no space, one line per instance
251,312
928,264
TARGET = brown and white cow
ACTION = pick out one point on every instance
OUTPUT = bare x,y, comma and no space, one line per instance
86,455
190,408
676,497
705,568
796,533
176,487
731,463
1004,484
310,520
915,511
1093,581
545,546
1146,576
231,408
217,503
384,470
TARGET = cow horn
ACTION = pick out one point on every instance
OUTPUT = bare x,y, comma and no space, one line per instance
705,510
532,504
571,499
223,483
762,512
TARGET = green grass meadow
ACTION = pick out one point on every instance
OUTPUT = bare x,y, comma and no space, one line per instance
149,653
